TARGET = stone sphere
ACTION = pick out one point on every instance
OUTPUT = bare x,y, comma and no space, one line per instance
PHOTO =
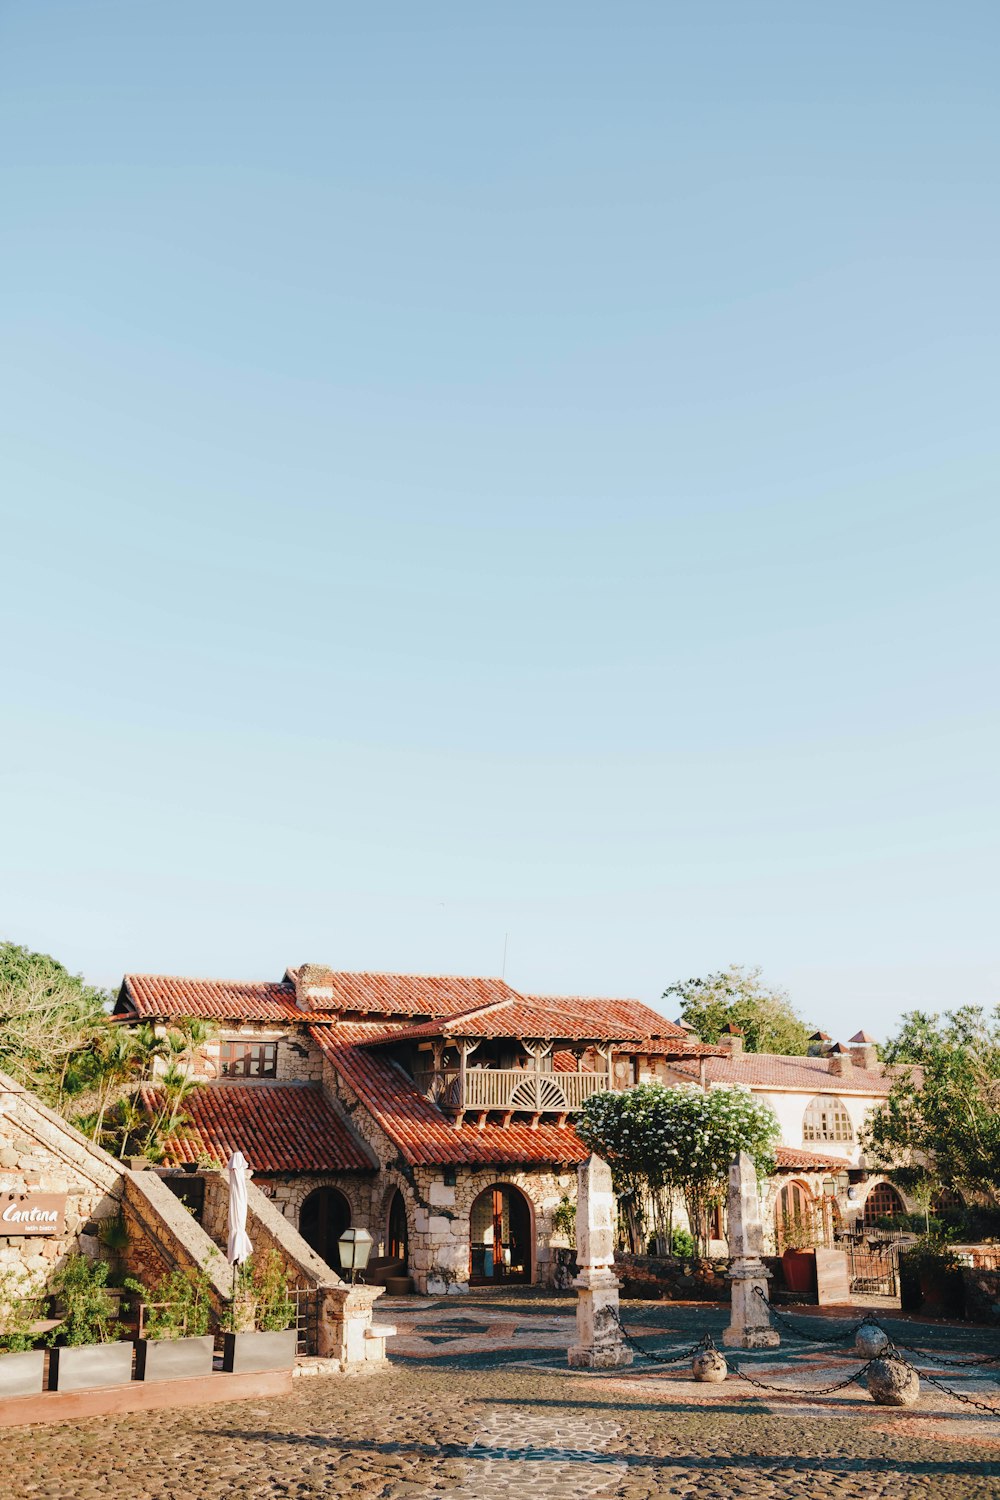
709,1365
891,1382
870,1340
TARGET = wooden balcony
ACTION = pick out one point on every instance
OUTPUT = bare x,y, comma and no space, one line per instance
511,1089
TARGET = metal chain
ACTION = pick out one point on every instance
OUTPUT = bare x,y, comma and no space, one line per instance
994,1411
867,1322
840,1338
785,1390
705,1342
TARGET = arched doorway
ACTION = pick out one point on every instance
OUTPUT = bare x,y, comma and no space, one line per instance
883,1202
795,1224
323,1217
397,1240
500,1237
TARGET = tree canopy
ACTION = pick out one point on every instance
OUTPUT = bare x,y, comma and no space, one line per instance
50,1022
943,1110
662,1140
737,996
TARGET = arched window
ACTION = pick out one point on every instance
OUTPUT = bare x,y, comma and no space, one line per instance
323,1217
883,1202
826,1119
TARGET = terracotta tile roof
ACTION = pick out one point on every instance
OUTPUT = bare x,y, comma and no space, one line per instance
791,1160
279,1127
569,1019
800,1075
422,1134
162,996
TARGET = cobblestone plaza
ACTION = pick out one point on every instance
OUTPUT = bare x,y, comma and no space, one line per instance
478,1403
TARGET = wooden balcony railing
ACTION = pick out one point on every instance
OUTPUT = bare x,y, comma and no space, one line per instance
512,1089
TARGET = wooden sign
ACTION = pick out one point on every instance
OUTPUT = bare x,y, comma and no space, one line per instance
32,1213
833,1278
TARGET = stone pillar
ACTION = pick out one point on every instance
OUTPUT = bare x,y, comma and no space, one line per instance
749,1325
346,1331
599,1342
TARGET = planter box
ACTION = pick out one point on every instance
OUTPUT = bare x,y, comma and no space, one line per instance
247,1352
81,1367
174,1359
799,1270
22,1374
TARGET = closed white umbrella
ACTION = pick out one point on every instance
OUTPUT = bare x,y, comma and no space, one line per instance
238,1247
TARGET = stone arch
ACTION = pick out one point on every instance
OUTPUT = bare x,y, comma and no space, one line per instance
882,1202
501,1235
794,1211
323,1216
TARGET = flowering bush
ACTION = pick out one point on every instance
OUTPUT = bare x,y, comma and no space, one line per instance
660,1141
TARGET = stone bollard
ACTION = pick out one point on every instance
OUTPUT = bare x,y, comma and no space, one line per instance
870,1340
709,1366
892,1382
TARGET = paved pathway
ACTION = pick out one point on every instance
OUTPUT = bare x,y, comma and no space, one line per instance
460,1419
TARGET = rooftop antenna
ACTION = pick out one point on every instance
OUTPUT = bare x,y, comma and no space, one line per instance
503,971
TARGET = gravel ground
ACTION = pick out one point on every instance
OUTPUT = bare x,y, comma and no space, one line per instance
472,1427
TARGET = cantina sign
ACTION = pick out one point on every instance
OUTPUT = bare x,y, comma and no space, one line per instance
32,1213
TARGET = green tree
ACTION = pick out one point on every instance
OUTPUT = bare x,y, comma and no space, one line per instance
51,1021
737,996
943,1110
660,1141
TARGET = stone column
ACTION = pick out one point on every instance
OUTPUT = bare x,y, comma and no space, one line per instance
749,1325
346,1331
599,1342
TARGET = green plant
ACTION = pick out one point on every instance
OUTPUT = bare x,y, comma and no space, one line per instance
88,1312
275,1308
682,1245
564,1219
177,1306
930,1256
798,1232
113,1234
18,1314
260,1297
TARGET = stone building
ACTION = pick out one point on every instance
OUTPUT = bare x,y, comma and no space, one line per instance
821,1102
435,1112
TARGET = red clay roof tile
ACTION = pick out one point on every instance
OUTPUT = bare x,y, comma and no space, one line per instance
279,1127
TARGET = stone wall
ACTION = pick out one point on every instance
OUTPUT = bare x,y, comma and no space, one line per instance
361,1190
664,1278
164,1236
298,1059
437,1213
982,1295
39,1150
268,1230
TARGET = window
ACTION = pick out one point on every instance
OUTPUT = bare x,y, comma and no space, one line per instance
826,1119
249,1059
883,1202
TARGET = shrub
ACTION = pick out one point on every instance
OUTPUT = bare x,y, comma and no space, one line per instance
177,1307
88,1313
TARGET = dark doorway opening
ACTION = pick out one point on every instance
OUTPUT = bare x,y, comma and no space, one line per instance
500,1235
397,1238
323,1217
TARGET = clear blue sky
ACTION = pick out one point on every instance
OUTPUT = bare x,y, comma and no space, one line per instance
530,470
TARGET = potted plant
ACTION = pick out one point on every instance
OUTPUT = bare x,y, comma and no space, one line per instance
22,1366
174,1341
936,1269
798,1254
261,1334
86,1350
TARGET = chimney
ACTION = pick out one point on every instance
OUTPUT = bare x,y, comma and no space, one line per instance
732,1037
819,1043
839,1059
864,1051
314,987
